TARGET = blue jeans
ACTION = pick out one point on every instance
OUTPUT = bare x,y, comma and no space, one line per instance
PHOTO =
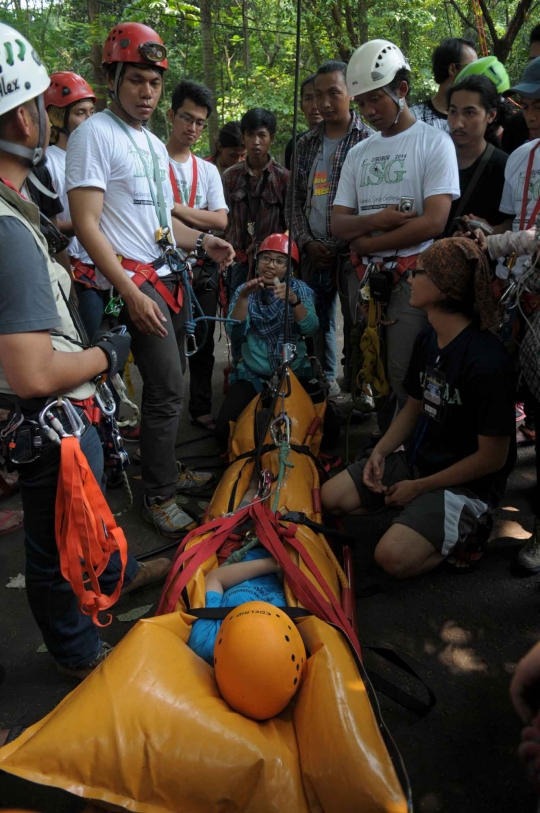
71,637
91,306
324,340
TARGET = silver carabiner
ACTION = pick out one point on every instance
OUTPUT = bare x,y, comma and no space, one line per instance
280,429
190,350
104,399
53,426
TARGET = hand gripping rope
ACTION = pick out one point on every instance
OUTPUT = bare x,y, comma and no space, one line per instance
191,345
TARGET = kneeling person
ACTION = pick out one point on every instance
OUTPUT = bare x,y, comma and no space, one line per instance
457,425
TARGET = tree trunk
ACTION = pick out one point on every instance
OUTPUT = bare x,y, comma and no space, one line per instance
209,65
503,45
99,82
245,29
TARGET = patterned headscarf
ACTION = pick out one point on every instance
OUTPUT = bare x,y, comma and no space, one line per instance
457,266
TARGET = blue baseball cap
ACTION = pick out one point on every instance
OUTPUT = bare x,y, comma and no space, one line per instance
529,84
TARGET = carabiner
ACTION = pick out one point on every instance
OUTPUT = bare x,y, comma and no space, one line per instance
104,398
190,345
54,428
280,429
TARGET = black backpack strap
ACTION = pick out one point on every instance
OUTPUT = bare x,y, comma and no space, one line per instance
219,613
400,696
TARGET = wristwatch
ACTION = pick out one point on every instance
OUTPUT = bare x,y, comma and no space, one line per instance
199,250
298,302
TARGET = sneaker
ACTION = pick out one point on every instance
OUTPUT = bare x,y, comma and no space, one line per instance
529,555
520,413
152,572
190,482
334,390
130,434
84,671
167,516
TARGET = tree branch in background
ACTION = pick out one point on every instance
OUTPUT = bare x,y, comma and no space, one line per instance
462,16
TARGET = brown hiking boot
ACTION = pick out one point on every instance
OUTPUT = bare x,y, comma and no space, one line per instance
152,572
84,671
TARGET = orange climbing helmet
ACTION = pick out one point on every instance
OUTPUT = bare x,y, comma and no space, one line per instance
259,658
66,88
280,243
135,42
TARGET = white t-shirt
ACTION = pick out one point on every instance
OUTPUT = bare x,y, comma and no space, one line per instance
100,154
56,164
418,163
512,196
209,194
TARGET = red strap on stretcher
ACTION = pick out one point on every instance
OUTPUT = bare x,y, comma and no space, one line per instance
270,534
147,273
194,181
86,532
525,198
403,265
83,273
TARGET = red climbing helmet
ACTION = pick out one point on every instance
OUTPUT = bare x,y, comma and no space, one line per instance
280,243
66,88
135,42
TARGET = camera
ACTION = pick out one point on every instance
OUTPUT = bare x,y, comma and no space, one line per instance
406,205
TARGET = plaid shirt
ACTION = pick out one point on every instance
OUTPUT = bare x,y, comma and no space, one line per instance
424,111
269,210
307,151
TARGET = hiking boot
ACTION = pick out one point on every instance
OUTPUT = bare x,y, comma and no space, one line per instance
529,555
152,572
167,516
84,671
334,390
130,434
190,482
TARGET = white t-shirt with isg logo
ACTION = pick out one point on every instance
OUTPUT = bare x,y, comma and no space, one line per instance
512,196
209,193
101,155
417,164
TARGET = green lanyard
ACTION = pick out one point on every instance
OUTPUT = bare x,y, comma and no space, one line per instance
159,203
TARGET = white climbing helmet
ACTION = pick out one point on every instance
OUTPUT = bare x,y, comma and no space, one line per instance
373,66
22,77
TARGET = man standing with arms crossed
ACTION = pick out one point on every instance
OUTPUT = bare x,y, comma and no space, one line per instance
406,164
121,201
320,155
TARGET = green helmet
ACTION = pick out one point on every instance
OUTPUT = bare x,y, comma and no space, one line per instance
487,66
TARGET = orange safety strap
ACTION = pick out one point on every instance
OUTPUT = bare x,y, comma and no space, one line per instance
194,181
147,273
83,273
86,532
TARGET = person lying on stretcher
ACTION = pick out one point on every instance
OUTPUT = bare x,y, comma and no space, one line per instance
257,342
254,579
457,426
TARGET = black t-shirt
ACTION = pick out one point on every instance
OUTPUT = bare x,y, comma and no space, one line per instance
478,399
515,133
487,194
288,149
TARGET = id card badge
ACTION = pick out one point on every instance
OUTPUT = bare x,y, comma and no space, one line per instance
432,402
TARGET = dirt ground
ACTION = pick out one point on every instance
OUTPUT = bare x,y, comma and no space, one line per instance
463,634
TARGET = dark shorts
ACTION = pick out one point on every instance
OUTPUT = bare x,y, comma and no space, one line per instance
445,517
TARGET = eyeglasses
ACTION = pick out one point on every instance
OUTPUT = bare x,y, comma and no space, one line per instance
417,272
279,262
200,124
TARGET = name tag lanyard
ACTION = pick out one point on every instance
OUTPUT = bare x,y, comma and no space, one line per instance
163,235
194,182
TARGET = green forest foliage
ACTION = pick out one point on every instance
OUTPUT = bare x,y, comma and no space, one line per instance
254,42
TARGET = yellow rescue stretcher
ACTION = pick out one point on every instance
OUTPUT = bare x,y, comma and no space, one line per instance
149,732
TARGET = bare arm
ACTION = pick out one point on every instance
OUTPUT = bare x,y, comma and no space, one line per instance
227,576
201,219
401,428
348,226
216,248
417,230
65,226
34,369
506,225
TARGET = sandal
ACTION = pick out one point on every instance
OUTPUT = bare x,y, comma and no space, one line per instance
11,521
207,422
467,555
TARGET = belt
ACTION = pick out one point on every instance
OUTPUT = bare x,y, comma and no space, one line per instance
146,272
83,273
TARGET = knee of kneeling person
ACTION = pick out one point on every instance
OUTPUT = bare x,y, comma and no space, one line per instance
330,497
393,558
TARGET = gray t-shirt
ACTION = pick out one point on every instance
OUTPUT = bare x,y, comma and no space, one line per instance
321,187
26,298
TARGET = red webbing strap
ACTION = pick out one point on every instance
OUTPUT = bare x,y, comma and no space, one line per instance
86,533
269,532
85,274
194,182
147,273
525,198
222,527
